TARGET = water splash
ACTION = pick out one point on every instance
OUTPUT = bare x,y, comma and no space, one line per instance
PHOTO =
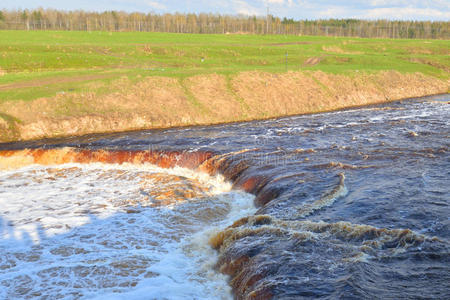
89,231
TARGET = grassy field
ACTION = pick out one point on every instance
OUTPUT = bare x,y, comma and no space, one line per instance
36,64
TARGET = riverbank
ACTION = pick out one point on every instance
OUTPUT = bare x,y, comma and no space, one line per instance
161,102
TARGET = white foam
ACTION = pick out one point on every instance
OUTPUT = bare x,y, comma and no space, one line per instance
68,232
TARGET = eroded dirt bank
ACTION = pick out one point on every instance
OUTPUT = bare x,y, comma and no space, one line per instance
158,102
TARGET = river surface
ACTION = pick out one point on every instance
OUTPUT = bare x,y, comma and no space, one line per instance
351,205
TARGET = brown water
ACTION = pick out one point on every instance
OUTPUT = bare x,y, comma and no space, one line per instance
351,204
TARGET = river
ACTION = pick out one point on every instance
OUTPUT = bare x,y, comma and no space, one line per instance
351,204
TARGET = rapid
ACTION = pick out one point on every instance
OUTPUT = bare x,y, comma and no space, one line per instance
350,204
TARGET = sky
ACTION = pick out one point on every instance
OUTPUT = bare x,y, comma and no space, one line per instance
434,10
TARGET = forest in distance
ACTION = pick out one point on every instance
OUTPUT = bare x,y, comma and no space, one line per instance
206,23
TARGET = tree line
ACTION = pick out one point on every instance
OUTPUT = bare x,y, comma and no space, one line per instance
50,19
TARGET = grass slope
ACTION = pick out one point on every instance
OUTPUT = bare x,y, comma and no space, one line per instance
36,64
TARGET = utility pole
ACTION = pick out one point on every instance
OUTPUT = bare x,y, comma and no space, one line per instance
286,61
267,21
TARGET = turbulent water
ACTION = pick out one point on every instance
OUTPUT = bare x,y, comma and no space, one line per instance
350,204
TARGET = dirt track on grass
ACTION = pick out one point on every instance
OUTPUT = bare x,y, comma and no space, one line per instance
50,81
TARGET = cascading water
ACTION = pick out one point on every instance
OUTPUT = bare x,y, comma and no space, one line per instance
350,204
98,230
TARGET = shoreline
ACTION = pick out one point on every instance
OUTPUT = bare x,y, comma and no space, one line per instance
62,138
163,102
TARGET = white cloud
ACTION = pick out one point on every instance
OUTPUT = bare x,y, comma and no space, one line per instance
405,13
244,8
279,2
156,5
442,4
389,2
275,1
333,12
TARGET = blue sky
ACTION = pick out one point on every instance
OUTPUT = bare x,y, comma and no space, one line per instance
298,9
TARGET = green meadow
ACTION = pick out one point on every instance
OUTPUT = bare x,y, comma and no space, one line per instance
37,64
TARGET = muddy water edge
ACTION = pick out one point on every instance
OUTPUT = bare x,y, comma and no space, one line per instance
351,204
